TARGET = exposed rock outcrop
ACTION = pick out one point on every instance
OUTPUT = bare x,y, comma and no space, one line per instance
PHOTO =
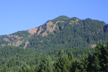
27,42
40,30
17,43
13,40
36,30
32,31
93,45
44,34
6,39
50,27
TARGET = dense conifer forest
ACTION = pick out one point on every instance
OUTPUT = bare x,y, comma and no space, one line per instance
16,59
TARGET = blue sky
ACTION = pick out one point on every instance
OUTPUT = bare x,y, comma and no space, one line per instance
18,15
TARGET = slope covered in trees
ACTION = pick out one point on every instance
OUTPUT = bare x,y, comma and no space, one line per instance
69,33
58,61
16,58
96,62
61,32
60,45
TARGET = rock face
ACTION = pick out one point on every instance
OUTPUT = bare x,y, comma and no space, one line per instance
17,43
44,34
26,44
6,39
50,27
13,40
40,30
32,31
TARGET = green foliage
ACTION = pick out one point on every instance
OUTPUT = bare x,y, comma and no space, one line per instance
21,33
44,54
97,62
15,59
26,68
64,63
81,33
46,65
58,60
61,18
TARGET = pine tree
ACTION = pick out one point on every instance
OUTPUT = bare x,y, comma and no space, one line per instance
46,65
106,60
96,64
90,60
99,57
63,64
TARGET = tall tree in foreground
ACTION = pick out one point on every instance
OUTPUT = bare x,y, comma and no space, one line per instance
46,65
99,57
96,63
64,63
106,60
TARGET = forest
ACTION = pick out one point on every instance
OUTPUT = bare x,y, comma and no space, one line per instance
60,45
16,59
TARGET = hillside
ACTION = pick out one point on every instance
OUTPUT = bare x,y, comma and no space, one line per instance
62,44
13,58
61,32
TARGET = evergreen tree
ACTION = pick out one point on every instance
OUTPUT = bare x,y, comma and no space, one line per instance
99,57
90,60
63,64
106,60
46,65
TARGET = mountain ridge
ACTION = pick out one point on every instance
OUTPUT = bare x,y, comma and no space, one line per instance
59,26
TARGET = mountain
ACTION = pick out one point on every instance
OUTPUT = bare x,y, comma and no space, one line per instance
61,32
62,42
